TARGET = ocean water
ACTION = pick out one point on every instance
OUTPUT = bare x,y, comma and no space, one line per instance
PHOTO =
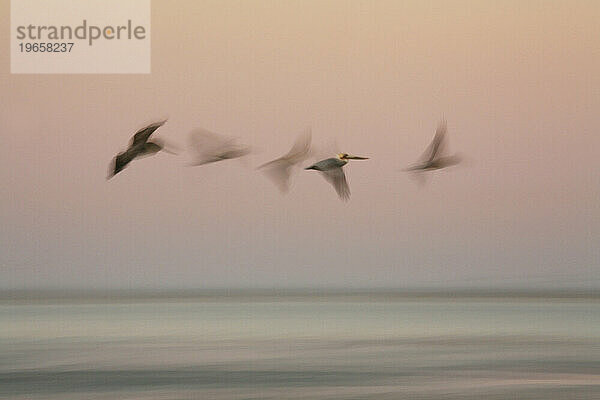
325,347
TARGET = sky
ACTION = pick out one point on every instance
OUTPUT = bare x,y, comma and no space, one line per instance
517,82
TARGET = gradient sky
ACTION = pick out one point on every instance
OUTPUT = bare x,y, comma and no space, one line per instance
517,81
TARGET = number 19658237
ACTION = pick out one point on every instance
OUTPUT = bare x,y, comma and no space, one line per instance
45,47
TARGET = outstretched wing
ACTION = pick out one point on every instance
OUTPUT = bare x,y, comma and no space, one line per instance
143,134
121,161
337,178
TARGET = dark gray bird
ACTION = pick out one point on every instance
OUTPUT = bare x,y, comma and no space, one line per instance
280,169
209,147
434,156
334,174
139,146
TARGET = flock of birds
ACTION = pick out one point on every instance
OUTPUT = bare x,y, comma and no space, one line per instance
209,147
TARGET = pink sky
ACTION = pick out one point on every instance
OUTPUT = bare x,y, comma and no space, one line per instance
518,83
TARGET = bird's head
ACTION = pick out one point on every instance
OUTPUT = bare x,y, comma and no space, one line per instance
346,156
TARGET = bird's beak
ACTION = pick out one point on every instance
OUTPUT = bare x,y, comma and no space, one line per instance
356,158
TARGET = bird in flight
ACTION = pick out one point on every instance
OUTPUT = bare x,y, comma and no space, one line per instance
209,147
332,171
280,169
139,146
434,157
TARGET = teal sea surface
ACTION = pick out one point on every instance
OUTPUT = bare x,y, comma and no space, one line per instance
309,346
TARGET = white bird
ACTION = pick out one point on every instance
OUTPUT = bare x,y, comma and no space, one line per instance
334,174
211,147
280,169
139,146
434,157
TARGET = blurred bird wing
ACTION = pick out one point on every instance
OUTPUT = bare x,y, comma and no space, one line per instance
449,161
279,172
337,178
203,141
301,148
235,151
209,147
437,145
143,134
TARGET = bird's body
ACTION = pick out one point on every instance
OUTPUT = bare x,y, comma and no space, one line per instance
328,164
332,171
139,146
280,169
149,149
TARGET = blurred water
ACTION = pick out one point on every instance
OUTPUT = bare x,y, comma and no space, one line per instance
322,348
